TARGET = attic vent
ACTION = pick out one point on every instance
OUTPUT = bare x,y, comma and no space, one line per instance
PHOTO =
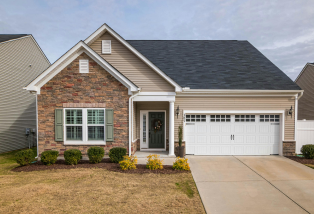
84,68
106,46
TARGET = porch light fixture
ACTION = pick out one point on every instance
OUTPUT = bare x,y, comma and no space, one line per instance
177,112
290,111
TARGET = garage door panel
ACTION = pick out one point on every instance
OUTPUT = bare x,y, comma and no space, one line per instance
190,139
190,150
201,150
213,128
201,139
250,129
226,139
251,139
214,150
214,139
201,129
239,139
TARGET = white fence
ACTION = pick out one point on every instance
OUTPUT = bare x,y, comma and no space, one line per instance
305,134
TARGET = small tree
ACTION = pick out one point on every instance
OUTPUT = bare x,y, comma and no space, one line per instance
180,136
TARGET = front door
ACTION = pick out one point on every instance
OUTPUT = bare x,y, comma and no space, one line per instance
156,129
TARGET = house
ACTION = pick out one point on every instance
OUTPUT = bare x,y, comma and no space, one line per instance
108,91
305,123
21,60
305,81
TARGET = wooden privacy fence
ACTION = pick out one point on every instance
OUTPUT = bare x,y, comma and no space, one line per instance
305,134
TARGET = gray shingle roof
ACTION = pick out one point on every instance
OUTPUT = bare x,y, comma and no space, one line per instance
6,37
214,64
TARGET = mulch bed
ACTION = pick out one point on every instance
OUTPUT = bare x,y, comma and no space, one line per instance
104,164
301,160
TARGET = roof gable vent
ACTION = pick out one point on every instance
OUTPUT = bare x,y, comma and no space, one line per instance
84,68
106,46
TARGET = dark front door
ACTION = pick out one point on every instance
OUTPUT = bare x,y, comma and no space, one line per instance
156,129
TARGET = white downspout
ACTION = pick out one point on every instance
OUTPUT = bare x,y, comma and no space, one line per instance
37,124
295,117
131,121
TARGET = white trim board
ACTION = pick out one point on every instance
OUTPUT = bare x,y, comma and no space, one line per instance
105,28
71,55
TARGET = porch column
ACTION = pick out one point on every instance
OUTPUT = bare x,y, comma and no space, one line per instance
171,128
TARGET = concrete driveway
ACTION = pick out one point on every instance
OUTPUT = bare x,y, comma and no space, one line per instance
253,184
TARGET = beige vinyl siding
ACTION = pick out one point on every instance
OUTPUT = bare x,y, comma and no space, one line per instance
151,106
18,106
131,66
236,103
306,102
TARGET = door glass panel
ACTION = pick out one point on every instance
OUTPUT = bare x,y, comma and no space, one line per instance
144,128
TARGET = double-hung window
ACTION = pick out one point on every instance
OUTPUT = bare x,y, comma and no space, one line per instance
84,126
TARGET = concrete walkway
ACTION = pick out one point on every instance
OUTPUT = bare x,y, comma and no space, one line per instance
253,184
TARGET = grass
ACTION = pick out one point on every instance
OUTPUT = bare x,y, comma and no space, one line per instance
310,165
94,191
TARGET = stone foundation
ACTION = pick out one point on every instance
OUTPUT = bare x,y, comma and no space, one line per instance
288,148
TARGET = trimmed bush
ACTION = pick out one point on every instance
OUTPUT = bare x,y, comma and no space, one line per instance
95,154
49,157
116,154
181,164
128,162
308,151
72,156
154,162
25,157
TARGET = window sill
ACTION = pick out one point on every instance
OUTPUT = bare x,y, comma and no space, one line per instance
87,143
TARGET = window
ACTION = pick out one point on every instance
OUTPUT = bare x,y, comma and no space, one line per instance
106,46
84,68
269,118
244,118
220,118
195,118
85,126
95,124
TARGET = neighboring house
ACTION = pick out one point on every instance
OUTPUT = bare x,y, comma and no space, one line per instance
306,81
108,91
21,60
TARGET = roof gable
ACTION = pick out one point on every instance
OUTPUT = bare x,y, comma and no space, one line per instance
214,64
68,57
305,67
105,28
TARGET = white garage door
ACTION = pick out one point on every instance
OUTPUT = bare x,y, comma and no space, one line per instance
232,134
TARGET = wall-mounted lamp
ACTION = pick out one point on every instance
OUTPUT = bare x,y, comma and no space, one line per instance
290,111
178,112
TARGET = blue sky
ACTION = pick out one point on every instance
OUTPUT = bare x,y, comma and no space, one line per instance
282,30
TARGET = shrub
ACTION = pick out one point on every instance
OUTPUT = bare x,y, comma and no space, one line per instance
116,154
128,162
154,162
72,156
308,151
49,157
25,157
95,154
181,164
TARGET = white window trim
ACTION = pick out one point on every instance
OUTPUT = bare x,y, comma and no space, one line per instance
102,49
84,129
83,72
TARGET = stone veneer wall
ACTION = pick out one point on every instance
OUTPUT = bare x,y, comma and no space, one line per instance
96,88
288,148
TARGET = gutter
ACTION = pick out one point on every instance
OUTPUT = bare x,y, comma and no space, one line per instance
188,90
131,120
